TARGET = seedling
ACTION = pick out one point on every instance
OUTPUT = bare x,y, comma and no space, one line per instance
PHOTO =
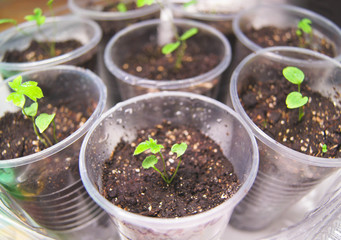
152,160
31,90
295,99
304,27
121,7
180,41
324,148
39,19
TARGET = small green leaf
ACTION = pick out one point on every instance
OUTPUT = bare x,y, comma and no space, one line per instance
170,47
18,99
121,7
305,25
8,20
187,4
189,33
154,147
293,75
31,90
43,121
324,148
179,149
295,100
149,162
141,3
16,83
298,32
31,110
143,146
37,16
49,3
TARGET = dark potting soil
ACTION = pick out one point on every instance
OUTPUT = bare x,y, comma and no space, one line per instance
17,139
272,36
265,103
150,63
205,178
38,51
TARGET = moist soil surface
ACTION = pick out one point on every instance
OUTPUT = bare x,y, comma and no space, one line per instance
17,139
150,63
204,180
321,124
38,51
272,36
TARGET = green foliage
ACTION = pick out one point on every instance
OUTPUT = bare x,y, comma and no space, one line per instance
37,17
190,3
8,20
141,3
121,7
152,160
179,44
324,148
304,27
295,99
31,90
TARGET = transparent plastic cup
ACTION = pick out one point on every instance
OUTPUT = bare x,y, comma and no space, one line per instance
110,21
284,175
210,116
123,45
47,184
218,14
282,16
323,222
60,28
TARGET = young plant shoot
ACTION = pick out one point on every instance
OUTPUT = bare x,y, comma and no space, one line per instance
295,99
180,41
304,27
152,160
31,90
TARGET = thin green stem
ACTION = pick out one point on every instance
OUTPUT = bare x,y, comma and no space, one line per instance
179,54
164,164
163,177
300,113
176,170
47,138
54,131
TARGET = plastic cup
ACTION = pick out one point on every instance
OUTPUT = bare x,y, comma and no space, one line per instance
218,14
60,28
64,204
281,15
211,117
291,174
123,44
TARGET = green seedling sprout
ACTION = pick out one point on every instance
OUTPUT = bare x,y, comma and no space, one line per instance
37,17
304,27
190,3
295,99
152,160
324,148
31,90
180,41
121,7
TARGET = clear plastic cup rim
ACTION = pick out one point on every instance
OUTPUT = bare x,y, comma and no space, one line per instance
112,16
290,8
260,135
101,88
113,210
94,41
167,84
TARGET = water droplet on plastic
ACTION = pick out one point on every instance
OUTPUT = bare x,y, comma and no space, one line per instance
178,113
208,126
119,121
128,111
219,120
